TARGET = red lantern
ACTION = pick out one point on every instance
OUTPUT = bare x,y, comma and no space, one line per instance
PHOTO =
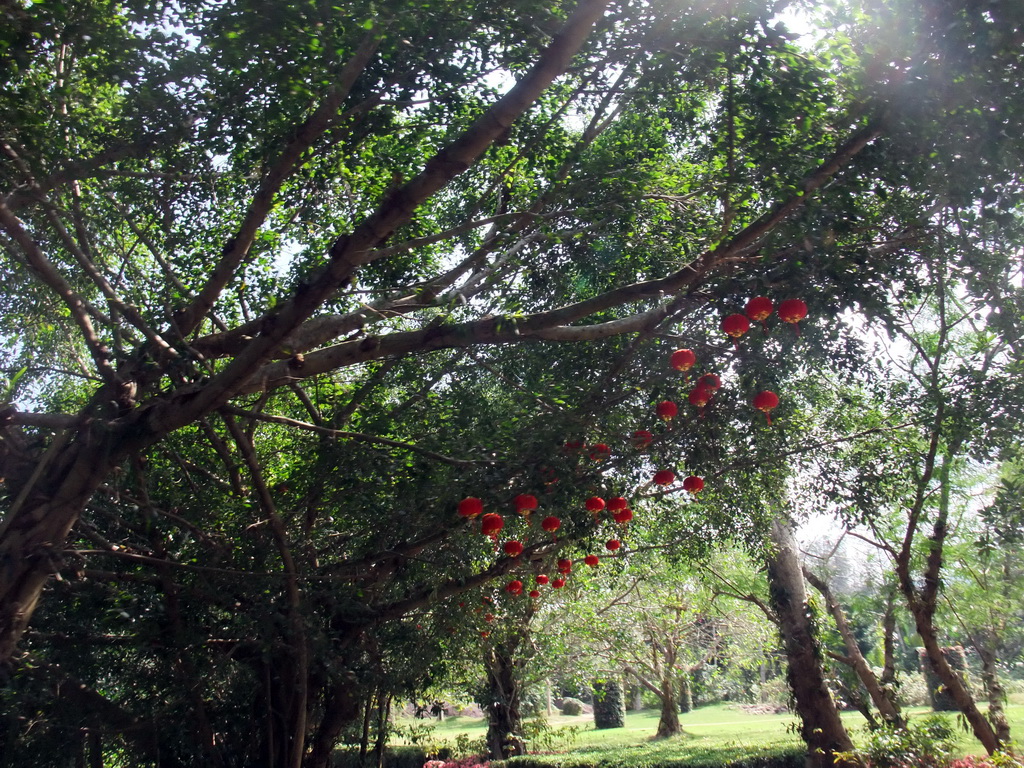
549,476
591,560
759,309
491,524
514,587
542,578
667,410
700,397
683,359
471,507
641,439
573,446
623,516
595,504
534,594
558,583
612,544
709,381
551,524
616,503
766,401
664,477
693,484
792,311
488,617
600,452
485,634
564,565
525,503
513,548
735,326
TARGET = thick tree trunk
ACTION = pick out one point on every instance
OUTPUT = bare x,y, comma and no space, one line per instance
668,723
504,721
954,684
821,728
339,709
881,698
34,530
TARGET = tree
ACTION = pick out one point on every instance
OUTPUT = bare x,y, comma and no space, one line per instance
282,284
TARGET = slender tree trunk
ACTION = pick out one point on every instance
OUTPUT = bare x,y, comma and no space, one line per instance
921,603
95,749
383,713
887,708
821,728
994,691
364,740
889,639
685,692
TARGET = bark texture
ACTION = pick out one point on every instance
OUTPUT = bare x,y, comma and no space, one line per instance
821,728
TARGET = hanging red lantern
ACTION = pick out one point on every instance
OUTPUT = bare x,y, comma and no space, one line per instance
623,516
542,578
664,477
612,544
525,503
534,593
700,397
766,402
641,439
591,560
615,503
792,311
558,583
667,410
514,587
683,359
600,452
513,548
551,524
709,381
485,634
564,565
491,524
759,309
693,484
470,507
595,504
488,617
735,326
573,446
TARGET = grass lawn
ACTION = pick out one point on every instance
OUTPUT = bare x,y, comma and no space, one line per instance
719,726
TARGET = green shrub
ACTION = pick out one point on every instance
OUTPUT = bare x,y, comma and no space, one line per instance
929,742
572,706
609,704
394,757
671,754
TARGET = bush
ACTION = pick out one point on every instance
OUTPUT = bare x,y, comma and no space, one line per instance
912,690
609,706
666,755
572,706
927,742
394,757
